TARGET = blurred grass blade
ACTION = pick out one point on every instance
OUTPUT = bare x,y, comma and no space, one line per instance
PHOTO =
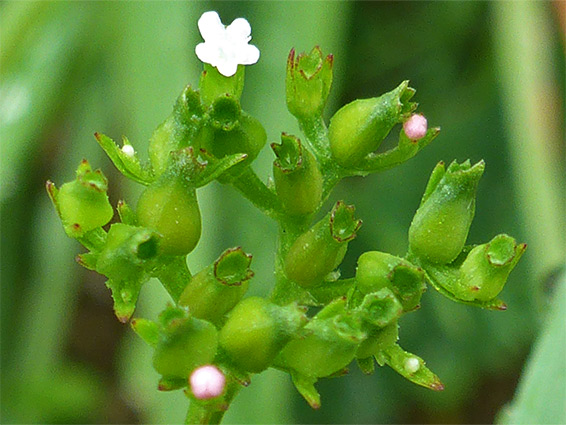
541,396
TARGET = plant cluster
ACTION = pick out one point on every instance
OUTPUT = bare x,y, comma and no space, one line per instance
211,339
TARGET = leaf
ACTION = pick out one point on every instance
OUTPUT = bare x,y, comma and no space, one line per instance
541,395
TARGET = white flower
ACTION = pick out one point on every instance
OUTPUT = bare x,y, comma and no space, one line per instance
128,150
225,47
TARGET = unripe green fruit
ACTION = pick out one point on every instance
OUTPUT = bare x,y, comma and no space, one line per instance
486,268
329,347
359,127
169,206
183,346
322,248
83,203
256,331
440,226
298,180
214,291
377,270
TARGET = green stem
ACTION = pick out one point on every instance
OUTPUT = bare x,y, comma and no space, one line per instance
174,276
203,413
253,189
316,138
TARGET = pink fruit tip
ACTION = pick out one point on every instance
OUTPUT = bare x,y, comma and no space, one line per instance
415,127
207,382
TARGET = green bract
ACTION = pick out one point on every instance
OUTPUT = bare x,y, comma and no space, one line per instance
209,136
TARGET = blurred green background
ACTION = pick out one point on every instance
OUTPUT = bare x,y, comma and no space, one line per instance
490,74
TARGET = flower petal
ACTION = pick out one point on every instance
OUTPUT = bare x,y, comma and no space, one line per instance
239,29
227,68
210,26
248,55
206,53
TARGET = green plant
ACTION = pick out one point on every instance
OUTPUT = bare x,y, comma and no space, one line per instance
211,339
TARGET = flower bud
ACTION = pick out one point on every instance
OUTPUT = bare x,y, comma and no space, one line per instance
215,290
486,268
257,330
247,136
178,131
185,343
207,382
329,346
298,180
415,127
359,127
440,226
321,249
308,82
83,203
378,270
169,206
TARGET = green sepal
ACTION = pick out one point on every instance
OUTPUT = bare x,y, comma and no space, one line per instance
126,259
367,365
403,363
321,249
328,346
298,180
247,137
308,81
378,340
440,226
305,387
148,330
182,128
215,290
171,383
125,293
331,290
378,270
257,330
126,213
129,166
405,150
358,128
185,343
82,204
225,113
87,260
213,84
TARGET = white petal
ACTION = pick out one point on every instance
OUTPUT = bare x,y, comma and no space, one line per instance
227,68
239,29
205,52
248,55
210,26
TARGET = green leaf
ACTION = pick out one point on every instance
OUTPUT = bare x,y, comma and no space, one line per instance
541,395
